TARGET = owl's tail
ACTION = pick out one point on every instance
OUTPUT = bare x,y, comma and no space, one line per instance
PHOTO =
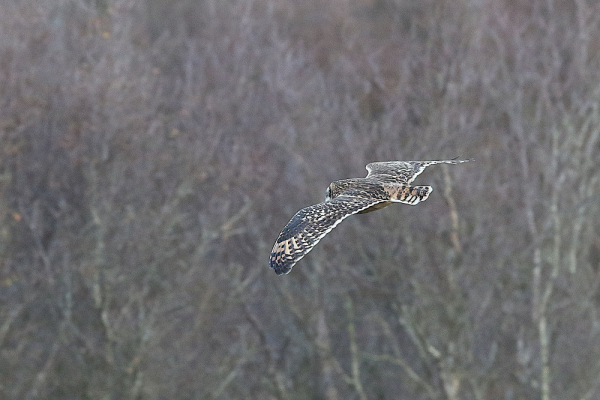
412,195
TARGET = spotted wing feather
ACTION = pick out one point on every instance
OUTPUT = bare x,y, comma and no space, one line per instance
402,171
309,225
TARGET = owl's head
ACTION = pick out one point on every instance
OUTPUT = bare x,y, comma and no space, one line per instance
334,190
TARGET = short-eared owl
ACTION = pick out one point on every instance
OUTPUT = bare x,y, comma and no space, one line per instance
386,183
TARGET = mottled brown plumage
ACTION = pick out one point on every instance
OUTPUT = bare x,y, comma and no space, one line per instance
386,183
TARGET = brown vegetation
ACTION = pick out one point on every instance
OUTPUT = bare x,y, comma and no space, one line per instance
150,152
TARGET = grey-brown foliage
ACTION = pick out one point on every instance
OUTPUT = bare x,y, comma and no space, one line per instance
150,152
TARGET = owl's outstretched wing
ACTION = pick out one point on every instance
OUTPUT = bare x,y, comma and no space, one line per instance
309,225
402,171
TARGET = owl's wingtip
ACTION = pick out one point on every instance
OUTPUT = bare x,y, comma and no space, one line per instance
280,267
460,161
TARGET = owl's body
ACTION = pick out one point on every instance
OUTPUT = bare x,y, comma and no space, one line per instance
386,183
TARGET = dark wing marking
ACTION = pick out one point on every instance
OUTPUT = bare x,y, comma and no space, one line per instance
402,171
309,225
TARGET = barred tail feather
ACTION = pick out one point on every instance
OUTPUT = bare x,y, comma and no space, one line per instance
412,195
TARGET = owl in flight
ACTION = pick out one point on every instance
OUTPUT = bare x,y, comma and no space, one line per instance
386,183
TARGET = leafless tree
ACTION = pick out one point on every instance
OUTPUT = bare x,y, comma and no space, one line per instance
150,152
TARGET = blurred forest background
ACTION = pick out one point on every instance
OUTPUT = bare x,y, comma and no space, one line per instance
152,150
